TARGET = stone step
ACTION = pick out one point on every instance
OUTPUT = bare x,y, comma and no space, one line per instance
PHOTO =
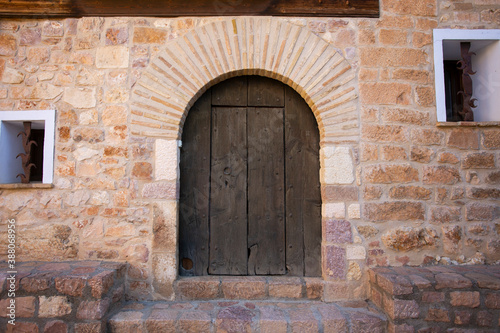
248,287
247,316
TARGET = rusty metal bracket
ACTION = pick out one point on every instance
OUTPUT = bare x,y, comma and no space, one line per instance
26,156
466,66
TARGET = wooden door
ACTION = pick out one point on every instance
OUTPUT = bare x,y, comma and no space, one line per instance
250,196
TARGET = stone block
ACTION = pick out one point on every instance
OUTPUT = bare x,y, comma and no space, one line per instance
80,98
462,317
72,286
12,76
354,211
272,320
401,309
337,231
492,300
463,138
469,299
53,306
386,174
195,321
145,35
392,57
491,139
55,326
234,319
22,327
101,283
127,322
337,166
394,284
285,287
244,287
314,288
165,272
406,238
452,280
384,133
334,261
331,193
440,175
162,320
166,159
8,44
333,210
433,297
481,212
161,190
37,282
445,214
355,252
303,320
438,315
410,192
478,161
364,321
93,310
112,57
394,211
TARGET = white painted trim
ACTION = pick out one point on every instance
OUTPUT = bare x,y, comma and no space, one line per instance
49,119
439,35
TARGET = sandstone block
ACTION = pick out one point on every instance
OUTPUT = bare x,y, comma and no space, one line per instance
195,321
112,57
427,137
116,36
337,165
339,193
478,161
447,157
37,282
12,76
142,170
394,211
166,159
72,286
162,320
314,288
22,327
462,317
481,212
234,319
355,252
491,139
365,321
483,193
463,138
285,287
384,174
469,299
438,315
433,297
406,238
394,284
272,320
443,175
445,214
303,320
30,37
144,35
54,306
93,310
401,309
8,45
492,300
333,210
452,280
163,190
354,211
421,154
392,57
80,98
244,288
397,115
424,95
197,288
101,283
385,93
114,115
127,321
410,192
55,326
384,133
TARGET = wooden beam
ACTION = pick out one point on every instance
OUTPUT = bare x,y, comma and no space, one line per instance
176,8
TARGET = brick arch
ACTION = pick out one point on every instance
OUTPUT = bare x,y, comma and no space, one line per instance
211,53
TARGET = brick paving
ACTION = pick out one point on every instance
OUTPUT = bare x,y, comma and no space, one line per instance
438,298
246,316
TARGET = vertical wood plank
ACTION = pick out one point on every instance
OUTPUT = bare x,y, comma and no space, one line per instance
266,204
303,193
265,92
232,92
228,195
194,189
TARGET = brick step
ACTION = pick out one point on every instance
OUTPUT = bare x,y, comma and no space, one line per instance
74,296
248,287
247,316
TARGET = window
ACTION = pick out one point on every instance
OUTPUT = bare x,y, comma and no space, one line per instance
485,44
42,125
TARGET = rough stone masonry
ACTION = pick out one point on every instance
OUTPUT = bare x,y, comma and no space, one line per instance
397,188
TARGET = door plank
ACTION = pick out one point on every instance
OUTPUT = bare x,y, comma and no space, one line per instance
265,92
194,189
303,193
266,204
228,194
232,92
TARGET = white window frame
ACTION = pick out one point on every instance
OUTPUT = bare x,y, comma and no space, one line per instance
48,117
440,35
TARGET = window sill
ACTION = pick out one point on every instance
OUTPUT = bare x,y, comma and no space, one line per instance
20,186
469,124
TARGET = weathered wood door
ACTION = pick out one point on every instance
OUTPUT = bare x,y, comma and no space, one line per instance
250,201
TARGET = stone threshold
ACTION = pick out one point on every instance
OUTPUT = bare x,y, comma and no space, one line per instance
248,287
246,316
469,124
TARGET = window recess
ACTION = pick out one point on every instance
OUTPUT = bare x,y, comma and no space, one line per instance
467,74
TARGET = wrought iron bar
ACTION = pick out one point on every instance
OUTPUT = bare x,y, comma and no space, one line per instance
26,156
466,67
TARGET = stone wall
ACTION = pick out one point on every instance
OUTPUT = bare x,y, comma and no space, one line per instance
396,188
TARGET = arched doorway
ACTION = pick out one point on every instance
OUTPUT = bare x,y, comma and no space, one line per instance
250,201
